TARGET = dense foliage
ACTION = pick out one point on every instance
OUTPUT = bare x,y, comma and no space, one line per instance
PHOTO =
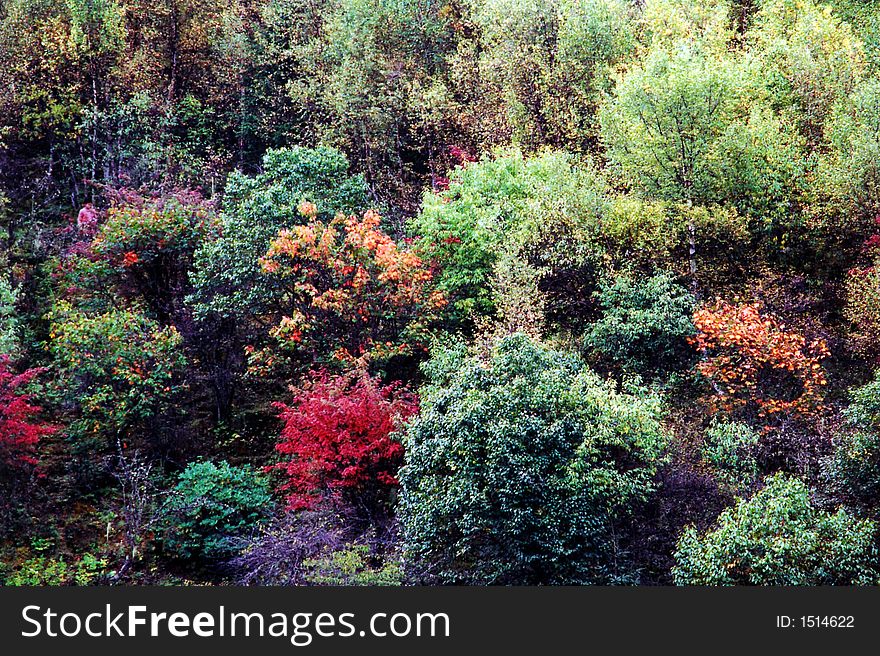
779,537
518,467
324,292
756,367
644,324
211,507
20,426
339,436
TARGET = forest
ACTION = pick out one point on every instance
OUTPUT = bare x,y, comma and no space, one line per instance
432,292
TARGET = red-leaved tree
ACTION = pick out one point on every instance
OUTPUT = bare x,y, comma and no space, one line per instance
20,429
337,441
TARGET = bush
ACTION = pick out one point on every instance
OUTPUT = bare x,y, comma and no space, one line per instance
854,467
45,571
759,370
20,426
350,291
729,448
645,323
779,537
149,244
338,441
498,204
519,466
226,275
22,429
277,553
212,508
9,323
120,370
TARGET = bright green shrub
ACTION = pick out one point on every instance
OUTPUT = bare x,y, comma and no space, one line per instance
779,537
351,565
502,203
213,507
518,467
46,571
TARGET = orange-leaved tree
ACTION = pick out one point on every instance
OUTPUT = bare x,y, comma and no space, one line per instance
758,369
350,291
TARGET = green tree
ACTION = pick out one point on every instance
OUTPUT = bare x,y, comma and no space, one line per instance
390,105
848,171
519,466
550,60
779,537
500,203
688,125
809,60
729,449
644,324
212,508
227,277
269,91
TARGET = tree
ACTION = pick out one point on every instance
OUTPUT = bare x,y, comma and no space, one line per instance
226,275
391,108
212,509
149,244
551,60
848,174
729,449
21,428
338,442
687,124
519,466
507,202
349,291
757,368
644,325
809,58
98,35
779,537
269,91
119,372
